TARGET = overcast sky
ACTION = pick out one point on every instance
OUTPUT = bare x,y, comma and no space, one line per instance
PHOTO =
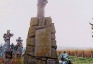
71,18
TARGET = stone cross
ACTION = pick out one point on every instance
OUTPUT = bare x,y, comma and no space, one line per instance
40,7
7,37
19,44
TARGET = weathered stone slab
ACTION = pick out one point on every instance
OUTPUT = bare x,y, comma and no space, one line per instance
31,29
53,36
30,50
27,56
43,59
48,20
31,34
53,43
43,42
33,39
41,21
51,61
30,41
39,27
34,21
53,31
30,60
40,62
54,53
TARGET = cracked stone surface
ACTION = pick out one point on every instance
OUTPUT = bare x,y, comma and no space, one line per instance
41,42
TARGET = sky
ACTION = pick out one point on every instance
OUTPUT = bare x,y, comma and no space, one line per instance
71,18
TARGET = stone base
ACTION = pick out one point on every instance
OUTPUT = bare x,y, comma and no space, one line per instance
41,44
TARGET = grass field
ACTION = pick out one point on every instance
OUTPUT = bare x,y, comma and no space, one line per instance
81,60
75,60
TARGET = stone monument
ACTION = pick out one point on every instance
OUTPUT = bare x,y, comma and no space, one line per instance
41,44
19,47
7,37
6,47
7,52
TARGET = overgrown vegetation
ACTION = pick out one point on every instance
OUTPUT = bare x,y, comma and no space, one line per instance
81,60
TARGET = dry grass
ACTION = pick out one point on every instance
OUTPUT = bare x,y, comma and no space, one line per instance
14,61
88,53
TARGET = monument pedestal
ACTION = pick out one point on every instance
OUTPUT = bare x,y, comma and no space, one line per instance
41,44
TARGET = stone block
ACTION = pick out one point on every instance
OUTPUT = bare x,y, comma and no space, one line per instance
51,61
53,43
30,50
32,29
30,41
48,20
41,22
34,21
44,59
31,34
40,62
33,39
53,53
27,56
53,36
53,31
30,60
39,27
43,42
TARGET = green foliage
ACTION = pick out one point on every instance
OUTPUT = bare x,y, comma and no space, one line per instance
81,60
15,47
